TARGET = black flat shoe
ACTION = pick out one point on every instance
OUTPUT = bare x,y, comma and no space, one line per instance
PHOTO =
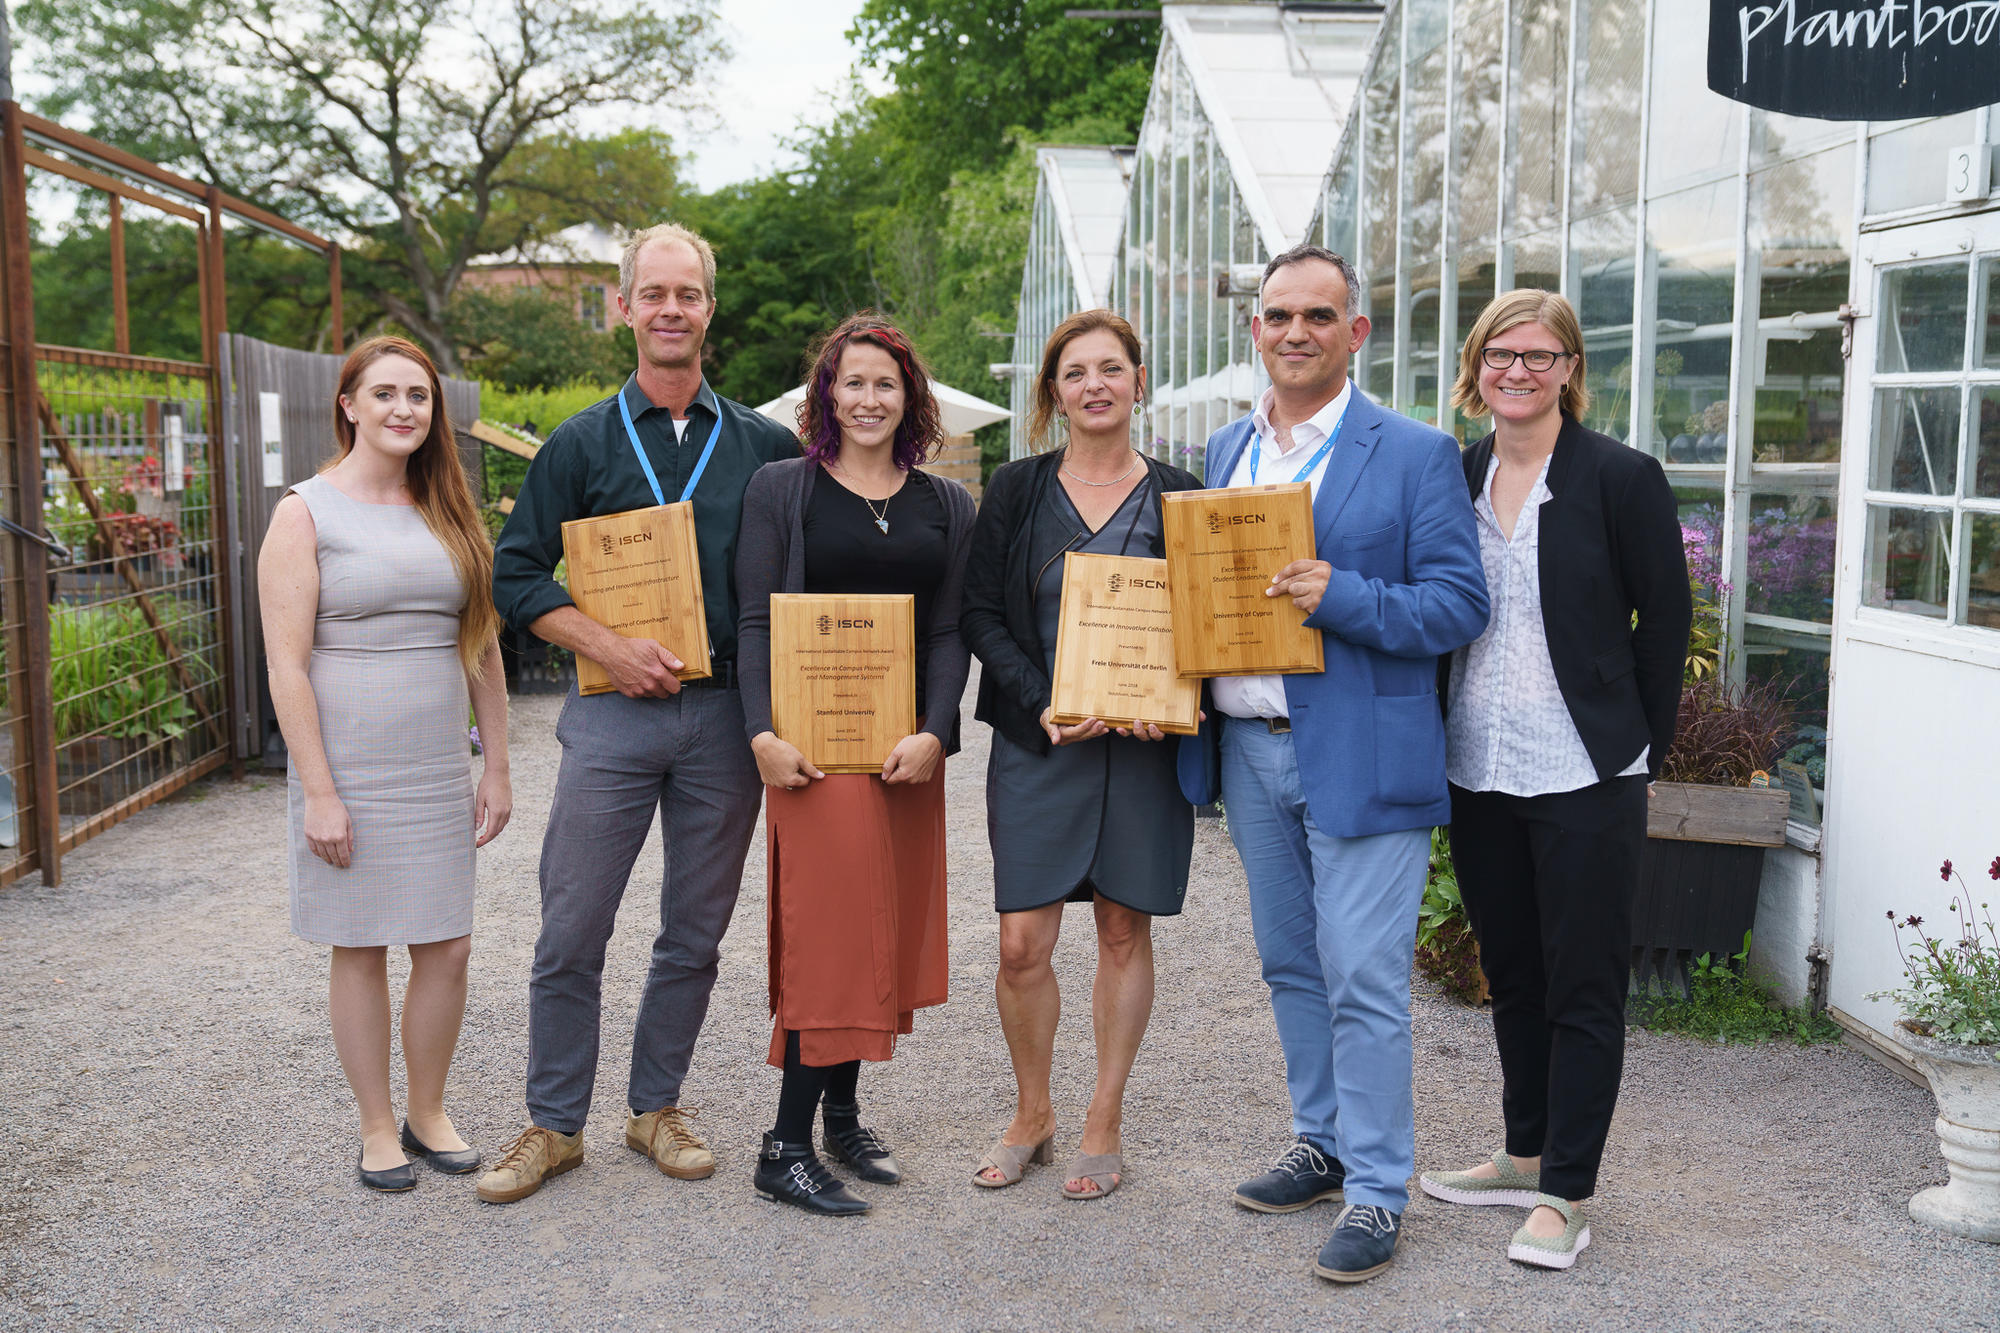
392,1181
858,1149
792,1173
451,1163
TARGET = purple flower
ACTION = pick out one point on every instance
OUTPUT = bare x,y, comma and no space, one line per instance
473,735
1944,871
1993,871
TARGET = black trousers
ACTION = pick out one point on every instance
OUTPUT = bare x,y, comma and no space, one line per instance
1548,884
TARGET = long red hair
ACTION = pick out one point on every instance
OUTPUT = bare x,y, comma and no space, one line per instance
438,484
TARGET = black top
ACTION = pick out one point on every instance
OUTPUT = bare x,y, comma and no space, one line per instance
847,552
1000,580
771,558
1615,601
587,469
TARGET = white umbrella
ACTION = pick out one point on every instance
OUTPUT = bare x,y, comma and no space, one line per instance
962,413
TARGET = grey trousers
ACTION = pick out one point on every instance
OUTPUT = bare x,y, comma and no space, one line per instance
622,758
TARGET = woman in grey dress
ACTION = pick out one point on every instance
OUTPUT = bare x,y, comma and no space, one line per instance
1074,813
377,626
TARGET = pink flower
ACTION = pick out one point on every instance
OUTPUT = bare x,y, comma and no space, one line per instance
1993,871
1944,871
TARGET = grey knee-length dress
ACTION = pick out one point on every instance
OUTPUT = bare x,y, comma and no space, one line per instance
391,691
1103,816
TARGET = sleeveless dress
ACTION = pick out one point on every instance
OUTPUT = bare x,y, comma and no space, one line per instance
392,715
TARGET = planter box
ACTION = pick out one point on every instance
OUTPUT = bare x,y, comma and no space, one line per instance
1699,874
94,773
1966,1082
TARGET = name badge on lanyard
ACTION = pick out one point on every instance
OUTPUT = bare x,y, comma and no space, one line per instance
1257,448
646,464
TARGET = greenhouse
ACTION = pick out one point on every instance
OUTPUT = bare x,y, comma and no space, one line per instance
1799,317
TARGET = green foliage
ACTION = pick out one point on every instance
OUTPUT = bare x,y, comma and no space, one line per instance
528,338
109,676
1724,1005
540,410
339,118
1954,990
1446,950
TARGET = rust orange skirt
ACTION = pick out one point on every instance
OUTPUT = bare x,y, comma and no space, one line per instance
855,913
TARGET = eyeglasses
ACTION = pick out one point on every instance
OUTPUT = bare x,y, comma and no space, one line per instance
1500,358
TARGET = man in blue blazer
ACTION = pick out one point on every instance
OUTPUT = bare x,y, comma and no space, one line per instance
1332,781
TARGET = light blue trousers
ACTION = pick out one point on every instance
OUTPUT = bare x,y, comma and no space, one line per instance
1336,925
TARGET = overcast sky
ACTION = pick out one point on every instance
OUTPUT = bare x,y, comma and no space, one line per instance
789,56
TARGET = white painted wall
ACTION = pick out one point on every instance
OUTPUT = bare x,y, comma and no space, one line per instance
1787,924
1914,754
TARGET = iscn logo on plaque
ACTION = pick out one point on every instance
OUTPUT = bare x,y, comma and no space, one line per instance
604,543
825,624
1114,582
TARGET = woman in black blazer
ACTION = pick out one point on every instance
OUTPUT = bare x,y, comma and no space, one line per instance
1557,719
1074,813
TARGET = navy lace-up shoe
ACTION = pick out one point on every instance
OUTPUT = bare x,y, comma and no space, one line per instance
1300,1178
1362,1244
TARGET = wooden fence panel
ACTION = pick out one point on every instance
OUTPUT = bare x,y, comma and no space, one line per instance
303,386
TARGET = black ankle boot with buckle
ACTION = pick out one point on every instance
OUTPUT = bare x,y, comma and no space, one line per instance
850,1143
792,1173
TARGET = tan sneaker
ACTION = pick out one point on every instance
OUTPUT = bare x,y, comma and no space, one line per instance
529,1160
666,1137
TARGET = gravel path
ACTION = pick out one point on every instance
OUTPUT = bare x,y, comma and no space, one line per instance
179,1145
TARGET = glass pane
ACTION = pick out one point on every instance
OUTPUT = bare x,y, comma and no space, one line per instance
1538,261
1982,589
1798,663
1989,326
1799,217
1601,272
1985,443
1906,163
1916,441
1790,569
1908,560
1696,132
1475,293
1701,536
1422,336
1476,151
1540,93
1773,138
1340,206
1383,155
1608,69
1693,234
1923,318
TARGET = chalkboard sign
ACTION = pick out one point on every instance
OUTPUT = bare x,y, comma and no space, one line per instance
1856,59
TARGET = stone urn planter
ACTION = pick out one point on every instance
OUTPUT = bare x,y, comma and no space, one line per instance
1966,1082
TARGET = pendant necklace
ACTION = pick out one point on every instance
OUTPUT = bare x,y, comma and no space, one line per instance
882,518
1113,482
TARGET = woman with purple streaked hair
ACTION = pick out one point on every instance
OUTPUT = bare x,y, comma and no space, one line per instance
856,904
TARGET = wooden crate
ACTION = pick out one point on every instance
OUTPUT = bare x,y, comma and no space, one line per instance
844,676
637,573
1223,546
1115,647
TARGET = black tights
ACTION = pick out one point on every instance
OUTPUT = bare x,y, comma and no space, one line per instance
804,1088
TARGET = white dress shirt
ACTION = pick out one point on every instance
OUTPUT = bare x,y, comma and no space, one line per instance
1264,696
1509,729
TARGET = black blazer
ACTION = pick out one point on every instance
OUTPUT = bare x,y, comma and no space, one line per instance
998,617
1610,548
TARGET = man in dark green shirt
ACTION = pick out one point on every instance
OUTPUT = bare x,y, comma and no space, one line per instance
654,743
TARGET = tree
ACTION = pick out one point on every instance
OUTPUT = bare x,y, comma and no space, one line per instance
530,338
435,130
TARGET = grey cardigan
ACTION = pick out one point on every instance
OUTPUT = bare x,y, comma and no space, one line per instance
771,557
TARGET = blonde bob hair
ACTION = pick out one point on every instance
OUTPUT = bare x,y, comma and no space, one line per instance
1510,310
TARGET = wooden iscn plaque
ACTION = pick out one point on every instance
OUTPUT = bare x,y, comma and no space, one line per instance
1115,647
1223,546
843,676
637,573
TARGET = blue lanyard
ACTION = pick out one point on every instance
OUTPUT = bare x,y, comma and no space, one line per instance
1257,448
652,478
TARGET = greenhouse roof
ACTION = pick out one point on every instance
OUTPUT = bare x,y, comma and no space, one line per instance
1086,190
1277,86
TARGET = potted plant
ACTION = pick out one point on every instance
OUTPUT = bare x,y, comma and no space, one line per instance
1707,827
1951,1030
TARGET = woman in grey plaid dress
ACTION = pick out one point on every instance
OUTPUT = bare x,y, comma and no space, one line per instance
378,627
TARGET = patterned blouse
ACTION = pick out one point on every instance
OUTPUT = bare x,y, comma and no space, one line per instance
1509,729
